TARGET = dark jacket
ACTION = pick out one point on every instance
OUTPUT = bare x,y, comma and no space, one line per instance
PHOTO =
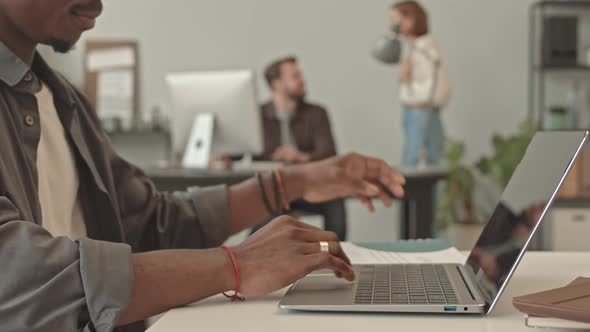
310,127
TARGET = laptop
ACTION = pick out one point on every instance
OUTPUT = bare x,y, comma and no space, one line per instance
475,286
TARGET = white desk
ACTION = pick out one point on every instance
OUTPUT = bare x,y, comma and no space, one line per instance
538,271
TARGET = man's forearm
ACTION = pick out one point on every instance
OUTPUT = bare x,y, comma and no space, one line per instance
246,204
170,278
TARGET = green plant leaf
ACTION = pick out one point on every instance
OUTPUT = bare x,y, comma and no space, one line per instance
456,195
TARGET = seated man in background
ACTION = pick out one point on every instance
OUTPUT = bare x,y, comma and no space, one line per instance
296,131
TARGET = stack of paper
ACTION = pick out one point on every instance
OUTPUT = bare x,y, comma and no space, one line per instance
360,255
556,323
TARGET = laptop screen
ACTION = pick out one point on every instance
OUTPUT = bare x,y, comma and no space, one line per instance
522,206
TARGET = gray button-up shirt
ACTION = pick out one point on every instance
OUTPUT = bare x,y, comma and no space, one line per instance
58,284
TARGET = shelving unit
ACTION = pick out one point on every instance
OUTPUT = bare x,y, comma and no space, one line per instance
542,71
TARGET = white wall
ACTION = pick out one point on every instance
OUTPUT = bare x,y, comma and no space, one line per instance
485,42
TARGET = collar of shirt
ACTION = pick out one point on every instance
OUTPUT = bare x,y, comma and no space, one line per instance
285,116
12,69
271,112
18,75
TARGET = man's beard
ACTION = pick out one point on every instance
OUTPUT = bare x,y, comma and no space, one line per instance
60,46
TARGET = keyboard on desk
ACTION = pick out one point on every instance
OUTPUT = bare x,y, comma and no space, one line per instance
404,284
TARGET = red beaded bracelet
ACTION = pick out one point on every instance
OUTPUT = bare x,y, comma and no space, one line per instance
236,296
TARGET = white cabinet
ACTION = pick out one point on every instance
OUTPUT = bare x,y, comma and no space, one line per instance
569,229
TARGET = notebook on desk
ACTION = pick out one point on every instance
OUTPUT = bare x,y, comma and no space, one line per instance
569,303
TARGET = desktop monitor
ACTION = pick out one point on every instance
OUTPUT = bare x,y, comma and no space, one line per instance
230,96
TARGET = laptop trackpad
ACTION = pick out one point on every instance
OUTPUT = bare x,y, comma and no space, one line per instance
314,282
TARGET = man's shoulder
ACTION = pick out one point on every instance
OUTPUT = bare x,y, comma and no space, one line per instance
266,110
314,108
266,106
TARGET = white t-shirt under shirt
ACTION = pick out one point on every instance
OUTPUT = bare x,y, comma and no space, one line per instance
285,125
58,179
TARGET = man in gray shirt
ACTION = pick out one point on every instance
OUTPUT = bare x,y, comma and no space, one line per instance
86,241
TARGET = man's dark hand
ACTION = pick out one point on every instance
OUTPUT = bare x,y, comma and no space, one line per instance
285,251
220,162
352,175
290,154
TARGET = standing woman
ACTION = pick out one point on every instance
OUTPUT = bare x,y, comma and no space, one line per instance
424,87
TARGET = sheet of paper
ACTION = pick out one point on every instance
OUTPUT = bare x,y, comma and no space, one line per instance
110,58
115,95
360,255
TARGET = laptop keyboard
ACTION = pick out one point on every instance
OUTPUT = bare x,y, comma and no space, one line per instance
404,284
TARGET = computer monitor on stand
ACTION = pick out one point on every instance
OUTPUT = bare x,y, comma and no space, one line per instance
214,112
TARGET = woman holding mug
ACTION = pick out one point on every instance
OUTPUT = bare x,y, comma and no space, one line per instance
424,86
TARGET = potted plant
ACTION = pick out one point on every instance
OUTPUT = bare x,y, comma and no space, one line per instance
508,152
456,210
468,197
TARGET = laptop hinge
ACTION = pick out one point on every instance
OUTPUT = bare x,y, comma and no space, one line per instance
468,278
